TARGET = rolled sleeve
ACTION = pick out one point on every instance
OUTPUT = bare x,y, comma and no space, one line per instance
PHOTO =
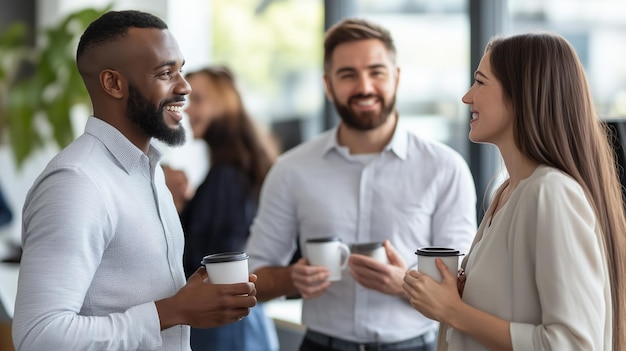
454,219
273,231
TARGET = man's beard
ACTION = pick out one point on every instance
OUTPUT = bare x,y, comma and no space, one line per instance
364,120
150,118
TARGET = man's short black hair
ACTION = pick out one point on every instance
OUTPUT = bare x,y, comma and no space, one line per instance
114,25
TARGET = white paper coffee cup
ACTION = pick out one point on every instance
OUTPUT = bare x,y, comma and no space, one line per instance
329,252
227,267
375,250
426,260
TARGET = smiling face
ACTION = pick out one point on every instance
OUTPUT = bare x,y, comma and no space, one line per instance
492,116
150,117
156,87
362,82
204,105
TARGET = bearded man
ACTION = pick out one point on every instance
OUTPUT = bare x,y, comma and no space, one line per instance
102,242
366,180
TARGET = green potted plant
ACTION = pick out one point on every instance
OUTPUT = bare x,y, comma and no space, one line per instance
36,102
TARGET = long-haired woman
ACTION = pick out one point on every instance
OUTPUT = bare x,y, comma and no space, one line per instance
218,216
546,269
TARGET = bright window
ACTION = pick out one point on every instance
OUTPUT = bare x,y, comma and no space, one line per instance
275,49
432,40
596,29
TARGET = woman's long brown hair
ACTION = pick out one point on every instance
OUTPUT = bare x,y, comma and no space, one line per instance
232,137
556,124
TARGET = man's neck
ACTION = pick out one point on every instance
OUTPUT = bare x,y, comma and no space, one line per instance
130,130
367,141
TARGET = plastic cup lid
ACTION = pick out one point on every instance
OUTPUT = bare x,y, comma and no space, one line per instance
225,257
323,240
365,247
437,251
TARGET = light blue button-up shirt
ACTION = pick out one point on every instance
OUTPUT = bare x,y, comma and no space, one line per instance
415,193
102,241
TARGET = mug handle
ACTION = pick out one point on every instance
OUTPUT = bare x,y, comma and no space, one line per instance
345,253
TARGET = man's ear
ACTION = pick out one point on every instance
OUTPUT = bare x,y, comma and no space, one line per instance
113,83
327,88
397,78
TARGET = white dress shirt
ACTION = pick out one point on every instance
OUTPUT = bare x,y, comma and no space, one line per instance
102,241
415,193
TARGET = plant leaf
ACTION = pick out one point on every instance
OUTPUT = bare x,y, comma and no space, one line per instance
50,92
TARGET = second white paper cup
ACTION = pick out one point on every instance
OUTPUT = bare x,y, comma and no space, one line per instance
375,250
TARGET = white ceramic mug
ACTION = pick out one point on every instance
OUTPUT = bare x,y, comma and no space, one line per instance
329,252
375,250
426,260
227,267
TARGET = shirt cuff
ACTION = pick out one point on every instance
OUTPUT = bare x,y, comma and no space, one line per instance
522,336
147,325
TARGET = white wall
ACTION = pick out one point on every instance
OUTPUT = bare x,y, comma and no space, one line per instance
190,22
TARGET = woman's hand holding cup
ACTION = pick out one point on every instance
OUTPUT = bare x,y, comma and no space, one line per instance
428,289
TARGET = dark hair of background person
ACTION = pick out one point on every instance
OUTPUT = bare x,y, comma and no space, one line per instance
114,25
556,124
232,137
355,29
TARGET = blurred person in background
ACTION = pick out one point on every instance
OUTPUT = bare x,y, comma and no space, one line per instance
6,215
218,216
9,250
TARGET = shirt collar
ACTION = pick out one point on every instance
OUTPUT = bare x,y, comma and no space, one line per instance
126,153
398,144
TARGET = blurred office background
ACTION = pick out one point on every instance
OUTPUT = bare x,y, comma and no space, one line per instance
275,49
